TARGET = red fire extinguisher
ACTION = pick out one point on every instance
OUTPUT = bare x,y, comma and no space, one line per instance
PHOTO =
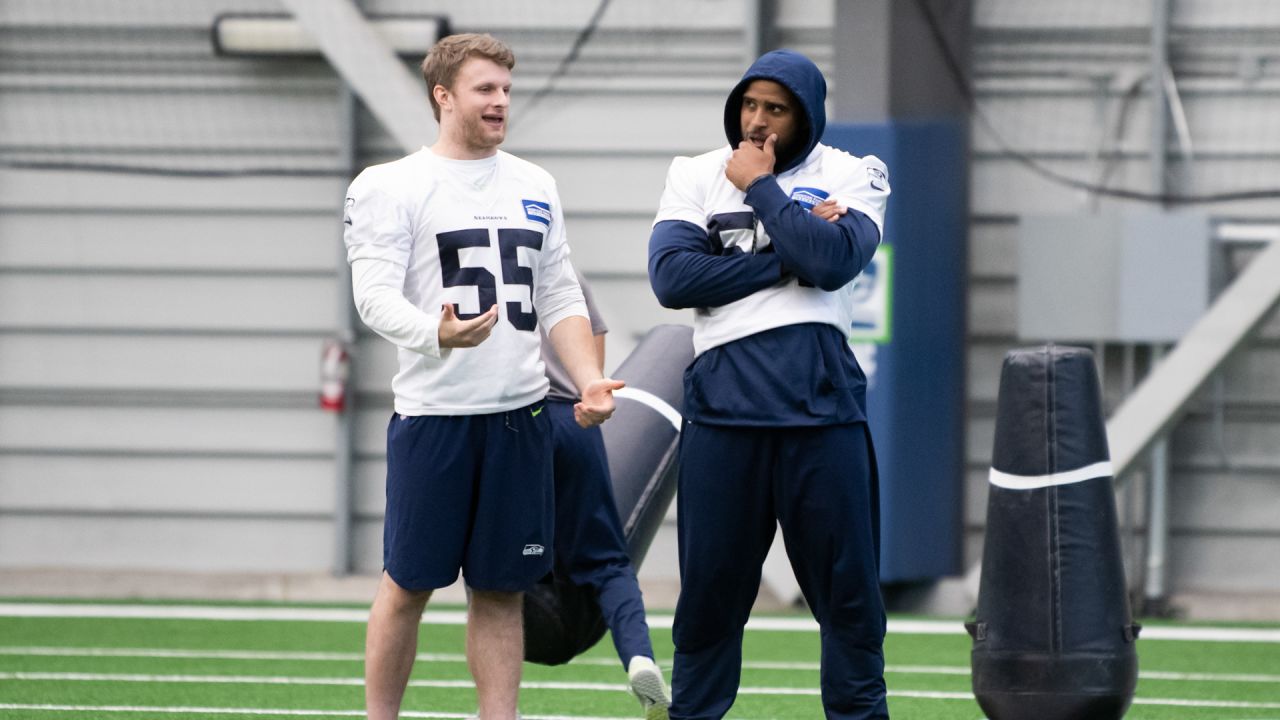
335,369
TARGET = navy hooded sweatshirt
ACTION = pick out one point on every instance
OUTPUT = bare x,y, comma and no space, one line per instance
793,375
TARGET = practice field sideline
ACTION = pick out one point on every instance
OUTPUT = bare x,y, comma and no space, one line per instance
140,661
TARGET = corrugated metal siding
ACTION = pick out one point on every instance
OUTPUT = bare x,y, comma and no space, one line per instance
158,351
160,336
1051,76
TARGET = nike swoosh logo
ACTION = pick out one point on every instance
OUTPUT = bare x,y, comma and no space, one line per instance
538,412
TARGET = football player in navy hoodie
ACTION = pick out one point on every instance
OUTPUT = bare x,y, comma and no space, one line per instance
764,238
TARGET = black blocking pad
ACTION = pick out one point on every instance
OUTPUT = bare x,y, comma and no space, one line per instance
1049,412
1053,636
562,620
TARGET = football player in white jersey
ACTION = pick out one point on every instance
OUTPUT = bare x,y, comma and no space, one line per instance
775,402
458,255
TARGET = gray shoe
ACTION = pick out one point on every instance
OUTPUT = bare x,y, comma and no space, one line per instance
647,685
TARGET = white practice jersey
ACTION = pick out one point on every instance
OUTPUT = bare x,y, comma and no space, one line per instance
426,231
698,192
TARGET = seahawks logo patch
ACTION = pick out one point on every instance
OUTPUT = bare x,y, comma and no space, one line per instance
808,196
537,211
879,180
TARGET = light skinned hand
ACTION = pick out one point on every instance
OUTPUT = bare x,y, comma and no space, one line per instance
596,405
749,162
455,333
829,210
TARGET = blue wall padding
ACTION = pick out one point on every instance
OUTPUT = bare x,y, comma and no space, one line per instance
916,400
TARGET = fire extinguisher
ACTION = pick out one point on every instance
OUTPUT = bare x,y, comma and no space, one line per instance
335,369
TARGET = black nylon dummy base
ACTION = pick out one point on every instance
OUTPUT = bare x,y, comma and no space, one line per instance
563,620
1053,637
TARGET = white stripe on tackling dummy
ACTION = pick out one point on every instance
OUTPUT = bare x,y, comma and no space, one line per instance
653,401
1010,481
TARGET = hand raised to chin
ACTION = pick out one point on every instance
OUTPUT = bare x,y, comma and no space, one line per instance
749,162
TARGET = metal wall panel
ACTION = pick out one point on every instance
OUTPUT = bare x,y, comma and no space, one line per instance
1064,84
159,336
105,239
98,428
132,301
134,484
1222,562
155,363
59,193
167,542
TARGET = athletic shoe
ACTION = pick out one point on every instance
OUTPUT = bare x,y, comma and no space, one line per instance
647,685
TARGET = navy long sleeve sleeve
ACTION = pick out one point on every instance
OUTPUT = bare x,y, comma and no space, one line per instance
685,271
826,254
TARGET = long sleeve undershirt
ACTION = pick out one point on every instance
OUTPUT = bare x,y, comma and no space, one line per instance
685,271
378,287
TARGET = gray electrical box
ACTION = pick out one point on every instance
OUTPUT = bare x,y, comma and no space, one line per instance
1138,277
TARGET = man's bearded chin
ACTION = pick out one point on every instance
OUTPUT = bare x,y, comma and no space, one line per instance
788,150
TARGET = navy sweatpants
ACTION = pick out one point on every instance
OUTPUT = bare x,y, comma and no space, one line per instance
589,545
736,485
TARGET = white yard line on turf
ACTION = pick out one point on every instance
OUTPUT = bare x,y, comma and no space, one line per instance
278,680
281,680
206,654
264,711
1225,704
601,662
458,617
260,655
206,612
917,695
201,710
583,686
265,655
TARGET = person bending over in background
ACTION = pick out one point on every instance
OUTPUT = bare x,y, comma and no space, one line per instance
591,550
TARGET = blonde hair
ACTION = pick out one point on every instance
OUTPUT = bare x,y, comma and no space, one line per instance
440,66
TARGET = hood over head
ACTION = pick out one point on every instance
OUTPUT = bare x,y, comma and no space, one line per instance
804,80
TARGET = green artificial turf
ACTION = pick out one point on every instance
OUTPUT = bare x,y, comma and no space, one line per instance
49,671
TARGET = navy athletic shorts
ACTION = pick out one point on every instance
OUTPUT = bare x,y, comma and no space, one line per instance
471,493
